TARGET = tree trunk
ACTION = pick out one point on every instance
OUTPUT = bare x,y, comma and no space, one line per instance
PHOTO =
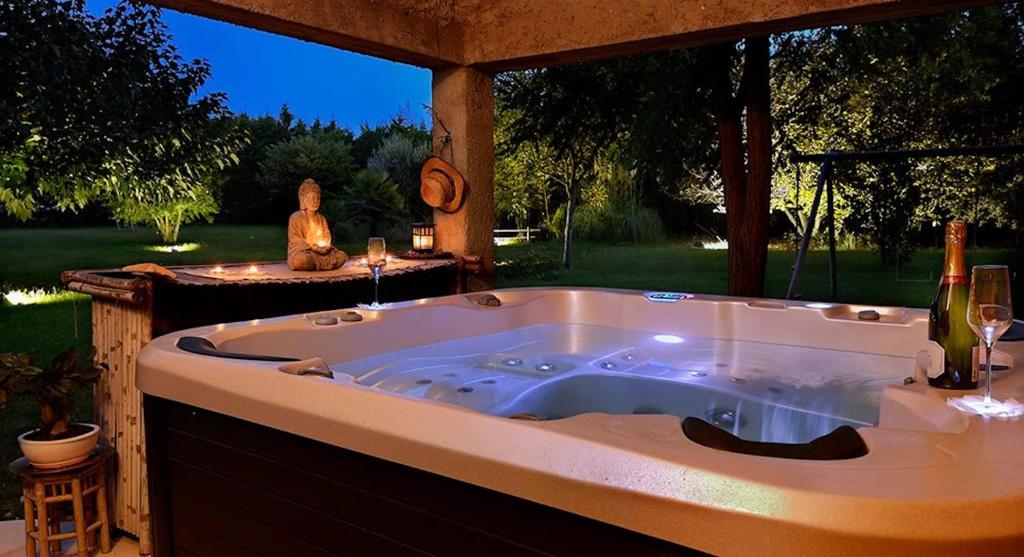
55,420
178,217
753,251
570,216
746,173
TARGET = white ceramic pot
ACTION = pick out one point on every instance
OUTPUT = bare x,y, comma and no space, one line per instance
62,452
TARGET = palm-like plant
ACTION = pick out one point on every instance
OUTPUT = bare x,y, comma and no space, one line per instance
372,197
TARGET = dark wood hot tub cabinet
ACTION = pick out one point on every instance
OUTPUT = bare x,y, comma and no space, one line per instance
220,486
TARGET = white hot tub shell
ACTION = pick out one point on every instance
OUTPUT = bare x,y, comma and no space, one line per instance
933,479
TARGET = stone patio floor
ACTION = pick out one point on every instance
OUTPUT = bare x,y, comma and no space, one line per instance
12,542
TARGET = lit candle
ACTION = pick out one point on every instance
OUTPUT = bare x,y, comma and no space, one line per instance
218,269
253,269
364,261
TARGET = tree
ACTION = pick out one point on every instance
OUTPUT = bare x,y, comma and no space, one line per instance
86,98
175,195
401,159
373,198
521,188
371,138
168,216
566,112
746,167
892,85
241,195
323,156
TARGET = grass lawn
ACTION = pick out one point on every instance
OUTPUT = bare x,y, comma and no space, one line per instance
34,258
676,266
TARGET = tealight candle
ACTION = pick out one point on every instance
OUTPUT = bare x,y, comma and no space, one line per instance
253,269
218,269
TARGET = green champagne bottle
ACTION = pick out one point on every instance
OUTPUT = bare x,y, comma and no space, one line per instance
947,323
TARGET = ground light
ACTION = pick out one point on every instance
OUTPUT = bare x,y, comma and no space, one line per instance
176,248
37,296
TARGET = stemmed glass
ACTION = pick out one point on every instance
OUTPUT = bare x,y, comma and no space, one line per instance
376,259
989,311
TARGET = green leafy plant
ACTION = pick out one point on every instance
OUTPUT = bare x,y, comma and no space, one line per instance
168,214
94,107
400,158
323,156
54,387
373,198
613,211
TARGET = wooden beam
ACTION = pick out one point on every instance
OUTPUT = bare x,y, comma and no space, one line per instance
518,34
501,35
381,29
463,108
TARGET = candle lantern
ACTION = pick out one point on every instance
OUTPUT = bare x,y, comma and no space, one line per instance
422,237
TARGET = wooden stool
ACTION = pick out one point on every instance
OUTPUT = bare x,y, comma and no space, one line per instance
47,493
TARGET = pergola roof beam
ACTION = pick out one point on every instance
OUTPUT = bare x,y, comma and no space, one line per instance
370,27
517,34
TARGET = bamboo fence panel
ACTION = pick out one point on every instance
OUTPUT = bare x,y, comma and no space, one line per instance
123,321
120,330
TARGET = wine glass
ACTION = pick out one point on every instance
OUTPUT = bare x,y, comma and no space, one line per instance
989,311
376,259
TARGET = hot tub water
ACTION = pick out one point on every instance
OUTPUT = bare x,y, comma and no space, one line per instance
758,391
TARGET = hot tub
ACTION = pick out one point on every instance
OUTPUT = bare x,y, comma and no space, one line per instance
576,421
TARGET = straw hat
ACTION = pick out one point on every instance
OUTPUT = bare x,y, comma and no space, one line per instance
441,185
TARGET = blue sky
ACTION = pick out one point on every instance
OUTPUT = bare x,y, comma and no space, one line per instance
260,71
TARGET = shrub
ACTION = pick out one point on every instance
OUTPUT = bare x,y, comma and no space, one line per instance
612,211
373,198
401,159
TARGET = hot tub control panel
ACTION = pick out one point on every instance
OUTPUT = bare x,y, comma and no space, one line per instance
666,297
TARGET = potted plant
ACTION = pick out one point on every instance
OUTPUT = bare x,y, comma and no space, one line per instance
59,442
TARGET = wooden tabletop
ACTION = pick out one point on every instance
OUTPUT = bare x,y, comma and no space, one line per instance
24,469
267,271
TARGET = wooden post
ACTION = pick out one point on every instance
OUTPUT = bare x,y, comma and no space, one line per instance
30,518
463,100
78,511
120,330
45,545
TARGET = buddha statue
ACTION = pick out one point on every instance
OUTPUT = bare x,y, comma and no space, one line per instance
309,236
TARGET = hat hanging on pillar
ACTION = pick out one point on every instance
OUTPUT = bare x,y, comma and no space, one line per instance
441,185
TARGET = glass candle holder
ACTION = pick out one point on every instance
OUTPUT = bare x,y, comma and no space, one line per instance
422,237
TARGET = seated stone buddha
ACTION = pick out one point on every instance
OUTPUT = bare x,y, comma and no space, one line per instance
309,236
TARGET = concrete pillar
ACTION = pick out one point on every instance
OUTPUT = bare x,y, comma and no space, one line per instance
463,105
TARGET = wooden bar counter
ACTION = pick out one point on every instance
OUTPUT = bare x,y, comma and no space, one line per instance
131,308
